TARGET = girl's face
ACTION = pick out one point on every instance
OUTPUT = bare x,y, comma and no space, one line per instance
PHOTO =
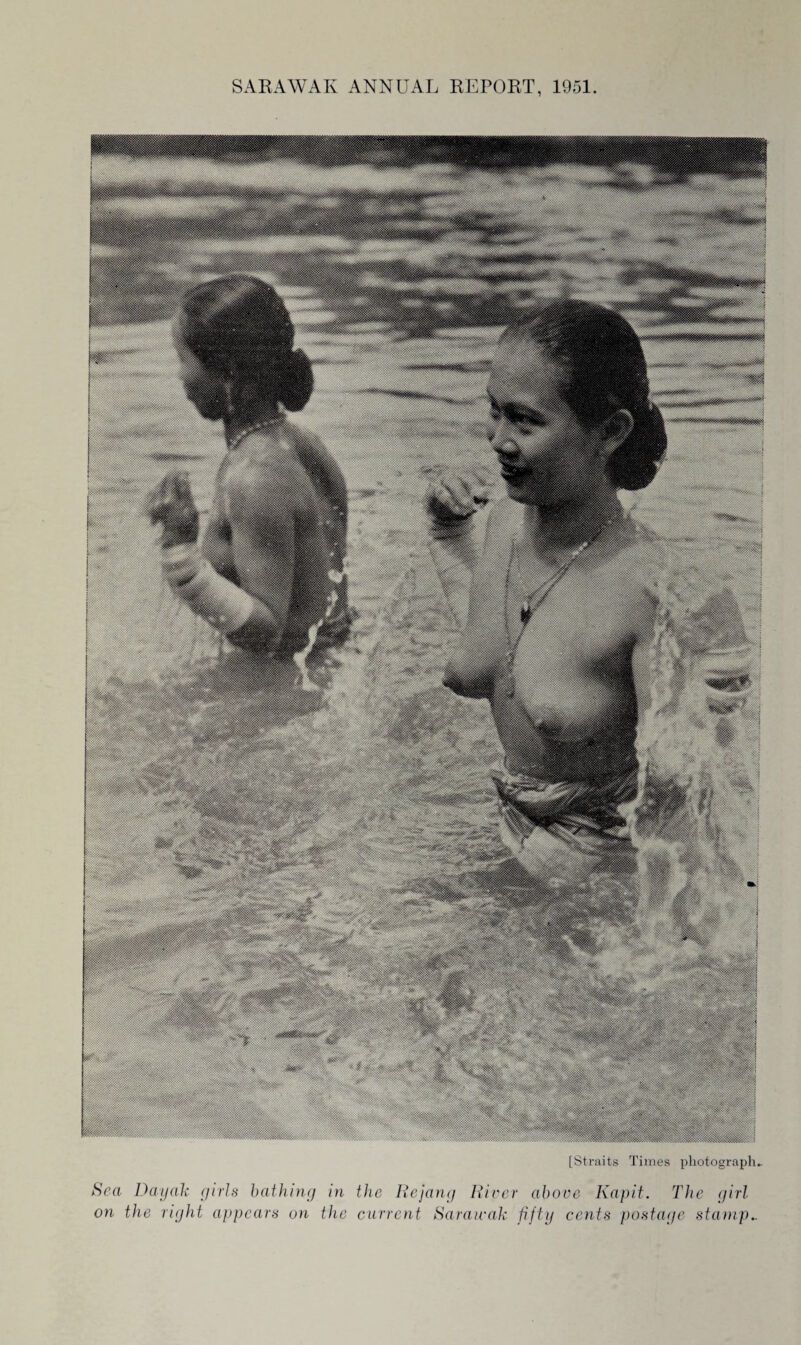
546,455
205,389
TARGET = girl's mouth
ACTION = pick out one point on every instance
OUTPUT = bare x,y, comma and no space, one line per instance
511,472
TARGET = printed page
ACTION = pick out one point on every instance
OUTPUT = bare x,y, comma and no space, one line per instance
375,966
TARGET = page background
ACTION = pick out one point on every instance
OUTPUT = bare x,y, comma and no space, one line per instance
660,70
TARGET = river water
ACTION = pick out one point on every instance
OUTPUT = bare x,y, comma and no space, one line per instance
300,921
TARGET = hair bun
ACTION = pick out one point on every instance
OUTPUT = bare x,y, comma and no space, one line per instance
296,381
636,461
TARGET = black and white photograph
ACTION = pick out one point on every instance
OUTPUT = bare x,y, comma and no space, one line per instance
423,621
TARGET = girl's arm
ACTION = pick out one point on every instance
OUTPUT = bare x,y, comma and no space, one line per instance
457,529
252,613
456,549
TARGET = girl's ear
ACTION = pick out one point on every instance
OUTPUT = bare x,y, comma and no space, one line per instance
615,429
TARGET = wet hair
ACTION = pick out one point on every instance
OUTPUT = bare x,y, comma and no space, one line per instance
239,328
601,370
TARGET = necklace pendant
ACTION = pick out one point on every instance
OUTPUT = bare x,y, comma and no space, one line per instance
525,611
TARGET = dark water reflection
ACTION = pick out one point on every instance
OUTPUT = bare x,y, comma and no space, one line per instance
299,918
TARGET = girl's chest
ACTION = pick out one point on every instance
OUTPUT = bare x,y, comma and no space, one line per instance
577,624
217,538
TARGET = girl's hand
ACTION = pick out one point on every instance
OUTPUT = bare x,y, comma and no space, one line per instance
171,503
452,496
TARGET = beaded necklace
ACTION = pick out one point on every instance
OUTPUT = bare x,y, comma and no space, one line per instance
251,429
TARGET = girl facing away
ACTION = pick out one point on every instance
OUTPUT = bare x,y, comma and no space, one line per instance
269,573
564,591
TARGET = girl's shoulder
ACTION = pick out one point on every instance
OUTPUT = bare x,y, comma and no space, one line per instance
263,472
314,455
305,441
693,596
631,565
644,554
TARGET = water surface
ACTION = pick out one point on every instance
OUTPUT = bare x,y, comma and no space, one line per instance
300,921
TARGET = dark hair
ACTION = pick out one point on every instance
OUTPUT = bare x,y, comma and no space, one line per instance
239,328
602,370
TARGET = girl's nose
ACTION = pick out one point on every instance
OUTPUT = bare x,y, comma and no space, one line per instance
501,438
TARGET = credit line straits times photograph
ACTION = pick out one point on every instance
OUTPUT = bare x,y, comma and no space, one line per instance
360,865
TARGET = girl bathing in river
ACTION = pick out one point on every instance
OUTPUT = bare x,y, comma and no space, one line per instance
269,573
563,589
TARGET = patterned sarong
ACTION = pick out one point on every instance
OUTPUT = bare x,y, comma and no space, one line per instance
566,829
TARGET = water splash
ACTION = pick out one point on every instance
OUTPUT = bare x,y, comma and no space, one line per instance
336,579
369,690
300,658
692,821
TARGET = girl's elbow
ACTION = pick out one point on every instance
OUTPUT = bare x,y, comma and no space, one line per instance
452,680
262,632
457,678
